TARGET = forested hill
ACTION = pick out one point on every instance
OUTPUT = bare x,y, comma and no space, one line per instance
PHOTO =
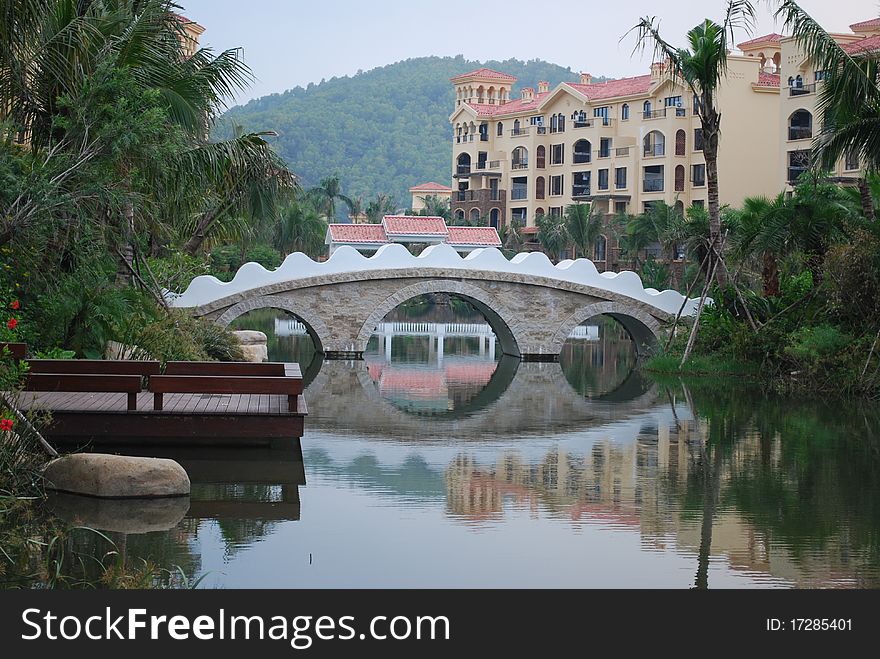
383,130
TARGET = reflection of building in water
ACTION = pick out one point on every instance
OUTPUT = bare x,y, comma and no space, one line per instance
420,387
655,486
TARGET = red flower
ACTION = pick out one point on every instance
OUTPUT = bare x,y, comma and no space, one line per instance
12,323
5,425
15,304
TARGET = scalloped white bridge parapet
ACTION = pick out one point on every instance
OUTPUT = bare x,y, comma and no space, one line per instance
206,289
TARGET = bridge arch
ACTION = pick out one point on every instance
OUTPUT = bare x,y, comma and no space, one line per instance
642,327
314,325
502,321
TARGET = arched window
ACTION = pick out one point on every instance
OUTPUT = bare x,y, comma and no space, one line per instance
679,178
790,81
655,144
494,217
646,109
499,130
475,215
561,123
541,157
464,164
516,126
624,112
519,158
539,212
539,187
553,123
800,125
599,252
459,215
480,95
581,151
680,143
798,81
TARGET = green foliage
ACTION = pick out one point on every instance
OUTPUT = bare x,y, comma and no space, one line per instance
226,260
654,274
811,344
387,126
55,353
176,270
852,271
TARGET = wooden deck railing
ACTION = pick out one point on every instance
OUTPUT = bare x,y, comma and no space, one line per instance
77,382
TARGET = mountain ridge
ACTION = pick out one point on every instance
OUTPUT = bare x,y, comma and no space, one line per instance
383,130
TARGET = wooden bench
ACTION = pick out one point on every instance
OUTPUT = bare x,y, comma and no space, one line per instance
228,378
94,367
91,383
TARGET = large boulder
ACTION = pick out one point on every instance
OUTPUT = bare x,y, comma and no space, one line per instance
120,515
253,345
117,476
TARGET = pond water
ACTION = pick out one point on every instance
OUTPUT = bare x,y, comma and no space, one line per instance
439,462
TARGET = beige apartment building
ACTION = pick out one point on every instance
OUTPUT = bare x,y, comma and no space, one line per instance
626,143
798,118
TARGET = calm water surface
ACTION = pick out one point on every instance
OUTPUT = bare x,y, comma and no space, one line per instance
453,466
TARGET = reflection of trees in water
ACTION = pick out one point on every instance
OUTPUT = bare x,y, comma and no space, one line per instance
594,368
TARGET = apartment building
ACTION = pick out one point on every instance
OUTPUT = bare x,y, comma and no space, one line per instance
798,117
624,144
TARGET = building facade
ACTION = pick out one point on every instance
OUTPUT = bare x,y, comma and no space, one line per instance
425,190
624,144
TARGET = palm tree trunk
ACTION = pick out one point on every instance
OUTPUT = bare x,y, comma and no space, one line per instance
126,254
710,153
867,199
200,234
770,275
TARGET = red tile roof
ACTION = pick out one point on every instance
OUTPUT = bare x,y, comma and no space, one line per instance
433,187
866,45
864,26
485,73
484,236
614,88
512,107
768,79
410,225
358,233
186,21
773,37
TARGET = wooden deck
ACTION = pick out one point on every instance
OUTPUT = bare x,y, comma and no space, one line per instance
186,419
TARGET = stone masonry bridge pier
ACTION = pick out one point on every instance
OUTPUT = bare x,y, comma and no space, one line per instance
531,304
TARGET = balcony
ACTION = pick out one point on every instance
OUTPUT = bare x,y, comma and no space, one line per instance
484,137
595,121
519,132
519,165
580,157
799,133
482,195
655,150
580,191
462,139
802,90
654,114
518,194
794,173
462,170
653,185
488,165
622,152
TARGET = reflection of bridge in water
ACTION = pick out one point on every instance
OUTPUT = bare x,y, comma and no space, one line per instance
519,398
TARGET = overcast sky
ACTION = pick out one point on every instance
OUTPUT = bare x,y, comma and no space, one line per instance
294,42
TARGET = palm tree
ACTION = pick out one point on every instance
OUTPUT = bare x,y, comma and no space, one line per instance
702,67
584,226
761,225
510,237
436,207
553,235
325,194
849,97
379,207
301,229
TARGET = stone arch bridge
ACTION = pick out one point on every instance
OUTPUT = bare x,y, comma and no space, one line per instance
531,304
